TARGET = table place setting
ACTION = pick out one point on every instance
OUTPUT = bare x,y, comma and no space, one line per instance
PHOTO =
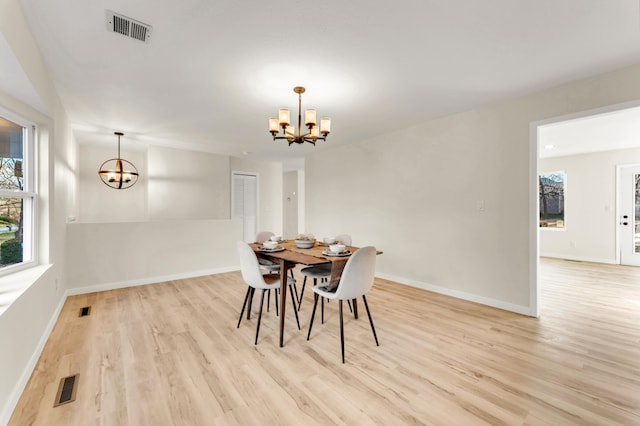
271,246
327,241
305,241
337,250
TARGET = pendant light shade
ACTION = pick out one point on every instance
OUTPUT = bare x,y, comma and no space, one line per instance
118,173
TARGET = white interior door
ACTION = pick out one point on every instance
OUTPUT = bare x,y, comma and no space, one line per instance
629,220
245,203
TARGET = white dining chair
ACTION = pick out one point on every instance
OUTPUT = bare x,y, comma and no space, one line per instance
321,272
270,267
356,280
265,264
254,279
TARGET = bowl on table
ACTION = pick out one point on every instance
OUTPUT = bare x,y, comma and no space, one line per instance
270,244
276,238
329,240
305,244
337,248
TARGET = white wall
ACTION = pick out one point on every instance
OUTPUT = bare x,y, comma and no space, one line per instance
110,255
448,201
290,204
302,220
25,324
188,185
174,185
590,206
270,181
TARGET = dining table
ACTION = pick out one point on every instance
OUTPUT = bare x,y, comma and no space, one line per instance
288,255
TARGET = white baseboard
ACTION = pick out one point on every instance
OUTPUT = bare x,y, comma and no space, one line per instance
144,281
579,258
519,309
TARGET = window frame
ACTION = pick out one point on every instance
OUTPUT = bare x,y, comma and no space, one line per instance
29,194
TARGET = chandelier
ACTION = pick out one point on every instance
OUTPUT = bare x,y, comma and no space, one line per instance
283,123
118,173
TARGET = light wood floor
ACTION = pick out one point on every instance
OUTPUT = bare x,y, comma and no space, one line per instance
170,353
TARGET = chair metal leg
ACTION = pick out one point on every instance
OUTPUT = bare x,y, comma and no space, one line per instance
244,305
276,299
364,299
253,291
322,310
268,300
341,332
295,290
324,280
304,283
313,314
349,303
259,317
295,308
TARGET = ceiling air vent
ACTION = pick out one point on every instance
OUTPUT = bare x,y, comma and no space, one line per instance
128,27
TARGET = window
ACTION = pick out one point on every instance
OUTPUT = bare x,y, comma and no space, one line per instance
551,187
17,192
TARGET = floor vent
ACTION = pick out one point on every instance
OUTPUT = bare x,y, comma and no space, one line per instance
67,390
85,311
128,27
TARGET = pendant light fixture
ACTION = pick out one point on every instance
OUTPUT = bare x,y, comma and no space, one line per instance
118,173
289,131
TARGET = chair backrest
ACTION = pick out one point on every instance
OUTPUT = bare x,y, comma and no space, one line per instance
249,266
358,274
344,239
263,236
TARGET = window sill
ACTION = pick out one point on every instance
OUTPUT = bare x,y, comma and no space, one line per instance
12,286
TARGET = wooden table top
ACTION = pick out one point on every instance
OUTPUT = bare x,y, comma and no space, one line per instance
310,256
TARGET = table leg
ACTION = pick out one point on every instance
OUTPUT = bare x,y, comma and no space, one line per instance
284,270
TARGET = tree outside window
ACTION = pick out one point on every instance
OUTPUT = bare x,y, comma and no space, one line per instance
551,187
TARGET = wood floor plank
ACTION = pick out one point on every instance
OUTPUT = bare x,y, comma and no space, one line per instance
170,353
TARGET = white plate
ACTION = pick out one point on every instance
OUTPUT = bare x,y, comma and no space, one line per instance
332,254
273,250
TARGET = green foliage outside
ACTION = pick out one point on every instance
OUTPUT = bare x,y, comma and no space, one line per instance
6,220
10,252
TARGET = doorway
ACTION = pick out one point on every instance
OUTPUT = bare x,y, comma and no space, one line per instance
612,131
244,203
629,215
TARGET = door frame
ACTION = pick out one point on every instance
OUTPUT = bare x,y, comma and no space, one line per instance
534,204
257,176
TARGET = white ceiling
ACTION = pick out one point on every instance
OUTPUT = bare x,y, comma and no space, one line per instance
594,133
216,70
